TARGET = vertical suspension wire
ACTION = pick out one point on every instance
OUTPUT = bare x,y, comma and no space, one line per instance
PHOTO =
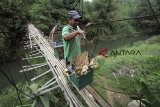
82,8
152,10
100,26
20,65
14,83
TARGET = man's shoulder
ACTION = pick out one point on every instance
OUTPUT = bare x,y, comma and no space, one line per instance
66,27
65,30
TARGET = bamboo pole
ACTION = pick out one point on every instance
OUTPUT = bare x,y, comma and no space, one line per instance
31,55
57,68
34,51
32,58
34,65
48,82
37,77
31,68
47,90
47,86
65,96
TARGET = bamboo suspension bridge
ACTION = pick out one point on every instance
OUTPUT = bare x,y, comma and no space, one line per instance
39,45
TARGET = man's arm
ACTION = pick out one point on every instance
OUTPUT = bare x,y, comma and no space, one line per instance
87,25
69,36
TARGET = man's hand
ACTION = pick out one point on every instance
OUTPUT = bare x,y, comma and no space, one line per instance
88,24
81,31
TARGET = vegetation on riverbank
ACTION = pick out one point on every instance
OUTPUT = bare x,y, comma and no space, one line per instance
45,14
145,79
128,74
115,73
9,96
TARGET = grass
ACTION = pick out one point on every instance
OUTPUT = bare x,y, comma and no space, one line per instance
8,96
149,49
103,75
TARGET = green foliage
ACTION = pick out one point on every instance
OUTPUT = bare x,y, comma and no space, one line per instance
7,97
124,9
46,100
100,10
12,27
148,26
103,10
47,13
154,40
146,67
33,89
150,74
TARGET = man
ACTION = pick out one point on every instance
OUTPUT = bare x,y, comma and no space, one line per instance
71,37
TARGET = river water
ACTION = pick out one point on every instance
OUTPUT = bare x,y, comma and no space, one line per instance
14,67
113,44
12,70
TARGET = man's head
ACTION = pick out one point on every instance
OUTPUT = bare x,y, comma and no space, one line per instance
74,17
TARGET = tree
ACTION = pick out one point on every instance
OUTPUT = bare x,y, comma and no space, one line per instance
12,28
148,26
45,14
